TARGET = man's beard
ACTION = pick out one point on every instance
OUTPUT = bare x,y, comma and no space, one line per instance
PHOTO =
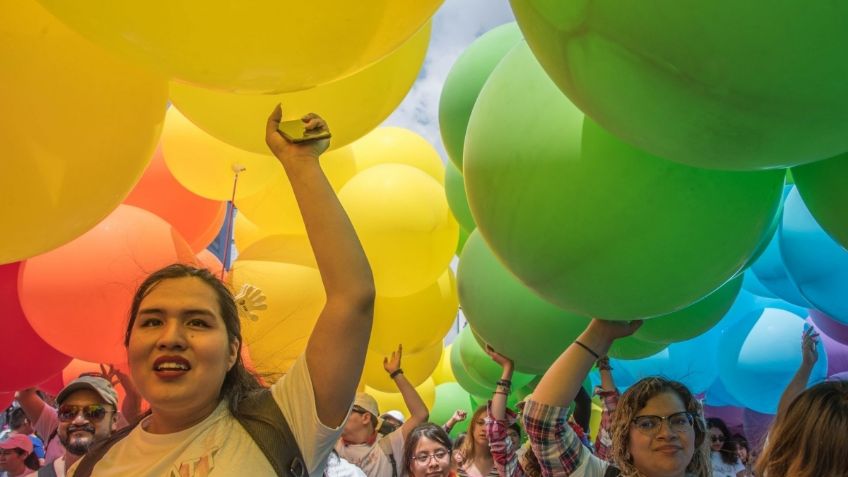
78,445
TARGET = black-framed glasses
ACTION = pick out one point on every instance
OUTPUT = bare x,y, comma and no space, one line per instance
424,459
677,422
92,413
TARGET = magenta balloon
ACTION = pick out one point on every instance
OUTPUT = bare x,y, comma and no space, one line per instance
756,427
832,328
28,359
731,415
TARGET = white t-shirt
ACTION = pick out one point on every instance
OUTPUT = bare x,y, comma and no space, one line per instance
219,446
723,469
374,459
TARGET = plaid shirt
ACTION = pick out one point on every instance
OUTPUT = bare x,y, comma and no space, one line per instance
603,443
500,445
556,445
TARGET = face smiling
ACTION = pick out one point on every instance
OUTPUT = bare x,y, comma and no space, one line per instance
716,439
79,434
667,453
433,467
179,351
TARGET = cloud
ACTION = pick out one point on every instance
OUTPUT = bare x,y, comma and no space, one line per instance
455,26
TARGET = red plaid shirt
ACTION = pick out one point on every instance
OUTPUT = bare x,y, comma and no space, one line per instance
603,442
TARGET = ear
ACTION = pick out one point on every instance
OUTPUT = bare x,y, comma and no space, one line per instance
114,421
235,346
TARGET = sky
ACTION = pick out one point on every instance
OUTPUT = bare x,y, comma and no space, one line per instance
455,26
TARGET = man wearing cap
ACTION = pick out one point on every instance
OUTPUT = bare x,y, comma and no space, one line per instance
87,414
361,445
16,456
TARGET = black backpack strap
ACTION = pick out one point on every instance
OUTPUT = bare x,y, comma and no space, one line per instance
394,464
47,471
612,471
97,451
262,418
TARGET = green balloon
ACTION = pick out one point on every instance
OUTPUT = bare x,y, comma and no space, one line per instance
822,185
449,398
463,237
464,82
693,320
458,203
462,376
494,301
592,224
480,366
634,348
711,83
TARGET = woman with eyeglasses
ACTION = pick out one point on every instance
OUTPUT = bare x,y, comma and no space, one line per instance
427,452
657,429
723,455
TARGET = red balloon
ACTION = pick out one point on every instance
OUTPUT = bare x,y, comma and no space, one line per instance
78,296
53,384
6,400
27,359
196,218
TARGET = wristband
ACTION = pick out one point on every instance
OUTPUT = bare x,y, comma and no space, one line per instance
395,373
504,382
578,343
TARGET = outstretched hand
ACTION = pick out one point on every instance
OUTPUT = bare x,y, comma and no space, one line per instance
392,363
502,360
809,340
288,151
613,330
459,415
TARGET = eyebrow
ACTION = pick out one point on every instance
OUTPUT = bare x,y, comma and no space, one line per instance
188,312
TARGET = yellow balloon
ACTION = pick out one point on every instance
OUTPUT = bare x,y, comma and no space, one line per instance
295,298
417,368
352,106
245,232
443,372
207,166
595,418
77,130
260,46
281,248
403,221
418,320
274,208
392,145
394,401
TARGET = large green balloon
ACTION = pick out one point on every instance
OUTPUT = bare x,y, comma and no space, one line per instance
462,376
457,201
824,187
464,82
480,365
449,398
693,320
592,224
634,348
712,83
508,315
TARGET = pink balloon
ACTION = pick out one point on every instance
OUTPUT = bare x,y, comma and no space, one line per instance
837,352
731,415
27,358
756,427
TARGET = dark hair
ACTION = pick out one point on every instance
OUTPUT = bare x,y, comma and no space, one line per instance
741,442
728,447
30,460
17,419
239,383
460,438
515,427
430,431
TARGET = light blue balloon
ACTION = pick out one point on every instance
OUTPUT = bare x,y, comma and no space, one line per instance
771,271
752,284
816,262
717,395
760,354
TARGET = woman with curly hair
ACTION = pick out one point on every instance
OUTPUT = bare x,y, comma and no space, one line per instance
657,430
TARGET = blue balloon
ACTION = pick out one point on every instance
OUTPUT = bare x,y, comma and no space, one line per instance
771,271
816,262
760,354
717,395
752,284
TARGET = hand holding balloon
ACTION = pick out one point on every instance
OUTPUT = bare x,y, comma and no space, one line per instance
809,355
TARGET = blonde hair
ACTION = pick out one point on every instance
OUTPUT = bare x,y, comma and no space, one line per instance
809,438
632,401
469,445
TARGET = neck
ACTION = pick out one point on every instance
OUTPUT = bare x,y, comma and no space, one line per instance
360,436
70,459
168,421
16,471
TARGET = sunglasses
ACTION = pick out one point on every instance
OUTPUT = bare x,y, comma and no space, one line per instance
92,413
717,438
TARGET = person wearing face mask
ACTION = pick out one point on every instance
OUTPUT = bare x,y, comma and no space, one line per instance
428,452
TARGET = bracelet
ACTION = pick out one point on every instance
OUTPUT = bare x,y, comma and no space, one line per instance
578,343
502,392
395,373
504,382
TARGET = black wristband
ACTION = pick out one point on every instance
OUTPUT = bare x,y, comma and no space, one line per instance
578,343
505,383
395,373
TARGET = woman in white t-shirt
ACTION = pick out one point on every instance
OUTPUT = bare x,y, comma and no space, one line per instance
723,455
184,349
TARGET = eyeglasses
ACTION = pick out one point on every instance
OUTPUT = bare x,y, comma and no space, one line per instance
717,438
92,413
424,459
677,422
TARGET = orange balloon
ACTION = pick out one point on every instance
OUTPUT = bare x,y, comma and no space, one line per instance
77,296
196,218
209,261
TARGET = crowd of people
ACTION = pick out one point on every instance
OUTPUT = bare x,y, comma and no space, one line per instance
207,415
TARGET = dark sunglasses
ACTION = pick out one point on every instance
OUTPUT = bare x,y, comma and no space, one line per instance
92,413
717,438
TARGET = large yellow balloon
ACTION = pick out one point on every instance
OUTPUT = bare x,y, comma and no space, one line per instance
403,221
207,166
394,401
259,46
443,372
245,232
392,145
77,128
418,320
295,298
416,367
288,248
352,106
274,208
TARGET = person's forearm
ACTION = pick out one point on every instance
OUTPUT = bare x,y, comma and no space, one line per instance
795,387
607,383
418,411
31,403
499,397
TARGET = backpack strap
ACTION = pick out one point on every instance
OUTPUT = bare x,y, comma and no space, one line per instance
48,470
262,418
612,471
